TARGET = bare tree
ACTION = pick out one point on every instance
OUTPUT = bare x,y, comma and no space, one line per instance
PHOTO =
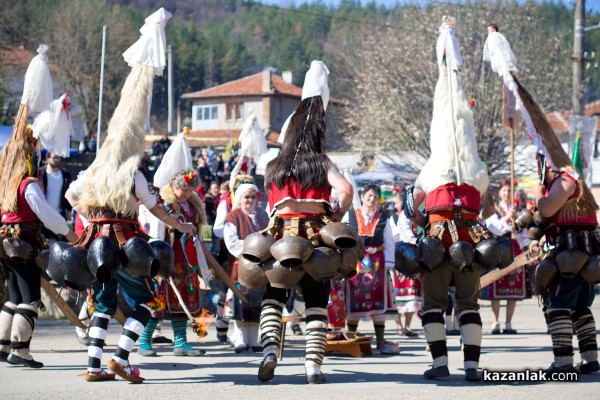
76,38
390,76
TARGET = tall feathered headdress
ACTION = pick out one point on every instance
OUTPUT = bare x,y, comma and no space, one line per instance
109,179
537,126
454,155
17,158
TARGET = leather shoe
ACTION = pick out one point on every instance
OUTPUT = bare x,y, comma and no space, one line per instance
472,375
14,359
316,379
563,368
3,356
266,371
437,372
588,367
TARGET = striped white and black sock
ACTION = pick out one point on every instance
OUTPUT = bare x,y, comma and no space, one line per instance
561,330
470,331
133,328
585,329
270,326
97,334
316,339
435,334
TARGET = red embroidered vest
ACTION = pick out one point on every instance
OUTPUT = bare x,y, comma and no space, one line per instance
293,191
24,213
452,195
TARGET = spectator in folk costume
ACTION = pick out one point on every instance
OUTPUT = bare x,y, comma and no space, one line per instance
516,285
369,294
244,218
407,291
452,184
177,181
108,194
25,211
299,182
224,207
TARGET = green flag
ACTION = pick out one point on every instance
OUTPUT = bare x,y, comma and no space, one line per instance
576,156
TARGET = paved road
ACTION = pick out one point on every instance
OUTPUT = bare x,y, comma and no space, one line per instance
223,375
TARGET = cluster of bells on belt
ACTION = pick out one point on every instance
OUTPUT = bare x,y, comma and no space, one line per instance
575,253
430,254
78,268
284,262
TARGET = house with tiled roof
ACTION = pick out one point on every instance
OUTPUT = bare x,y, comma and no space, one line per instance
218,113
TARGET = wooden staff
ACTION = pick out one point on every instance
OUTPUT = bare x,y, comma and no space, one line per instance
199,325
497,273
185,309
62,305
221,274
512,168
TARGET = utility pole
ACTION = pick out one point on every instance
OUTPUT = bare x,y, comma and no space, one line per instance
578,59
170,90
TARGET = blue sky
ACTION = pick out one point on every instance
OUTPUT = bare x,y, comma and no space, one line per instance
590,5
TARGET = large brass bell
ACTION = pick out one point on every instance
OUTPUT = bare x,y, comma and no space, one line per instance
251,275
338,235
257,247
292,251
323,264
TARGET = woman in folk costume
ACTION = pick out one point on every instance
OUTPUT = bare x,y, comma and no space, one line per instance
568,272
516,285
452,184
224,207
245,218
407,291
178,182
369,292
25,212
108,194
299,183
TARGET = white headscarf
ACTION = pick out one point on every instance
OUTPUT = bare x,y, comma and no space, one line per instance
240,191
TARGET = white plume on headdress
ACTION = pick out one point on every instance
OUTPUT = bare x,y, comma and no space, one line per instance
177,157
315,84
53,127
37,89
447,44
454,155
150,48
498,52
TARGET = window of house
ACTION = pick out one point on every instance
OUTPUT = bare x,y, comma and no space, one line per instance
206,117
235,111
206,113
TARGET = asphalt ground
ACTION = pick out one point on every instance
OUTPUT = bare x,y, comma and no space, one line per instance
221,374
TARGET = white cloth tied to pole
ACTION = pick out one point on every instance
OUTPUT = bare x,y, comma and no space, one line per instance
447,45
177,157
53,127
37,89
151,47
